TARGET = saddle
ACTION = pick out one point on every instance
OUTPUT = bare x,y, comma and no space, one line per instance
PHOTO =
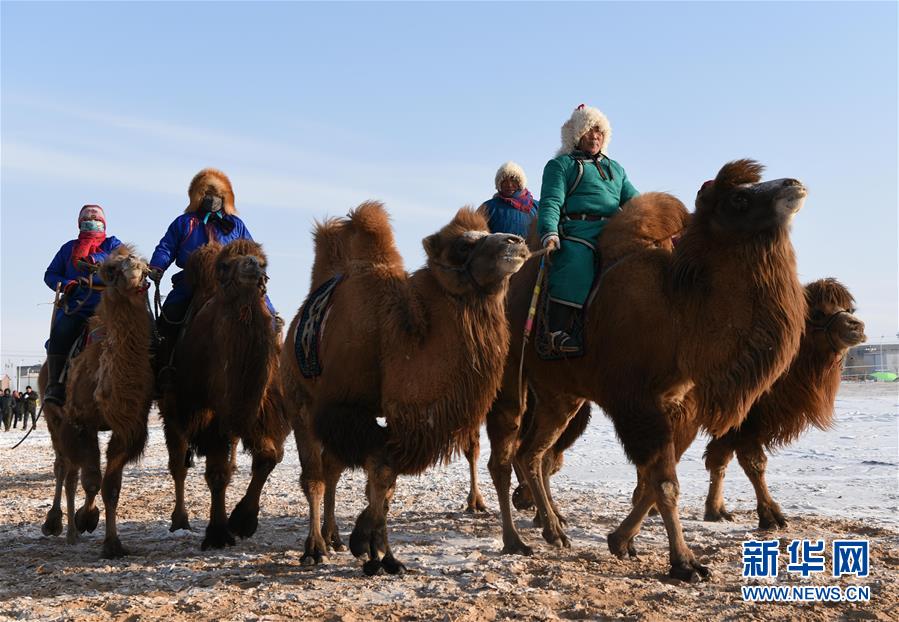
313,314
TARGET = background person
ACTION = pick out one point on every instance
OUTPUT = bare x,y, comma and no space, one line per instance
513,208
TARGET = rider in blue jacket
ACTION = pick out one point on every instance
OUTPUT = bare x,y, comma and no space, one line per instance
67,271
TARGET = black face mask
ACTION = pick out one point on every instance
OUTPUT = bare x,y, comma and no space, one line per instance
211,204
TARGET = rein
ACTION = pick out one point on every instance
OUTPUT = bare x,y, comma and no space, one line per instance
33,426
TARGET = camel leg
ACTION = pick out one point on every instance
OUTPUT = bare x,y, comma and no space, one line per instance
53,523
551,415
312,481
475,502
218,476
118,454
753,460
550,460
503,422
244,518
177,446
369,535
88,515
521,496
621,541
71,486
684,431
332,470
718,453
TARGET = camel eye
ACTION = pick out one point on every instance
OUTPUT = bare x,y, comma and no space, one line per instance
740,202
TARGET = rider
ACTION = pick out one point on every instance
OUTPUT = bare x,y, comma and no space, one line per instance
512,209
66,270
210,217
582,188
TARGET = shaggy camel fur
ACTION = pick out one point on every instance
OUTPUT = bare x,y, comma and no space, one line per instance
721,317
110,387
228,388
651,220
801,398
410,363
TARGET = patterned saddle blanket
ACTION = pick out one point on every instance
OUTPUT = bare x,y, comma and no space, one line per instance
312,320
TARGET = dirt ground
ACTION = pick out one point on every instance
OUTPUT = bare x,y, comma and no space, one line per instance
456,571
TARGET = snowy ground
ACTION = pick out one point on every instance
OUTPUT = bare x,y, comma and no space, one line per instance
836,484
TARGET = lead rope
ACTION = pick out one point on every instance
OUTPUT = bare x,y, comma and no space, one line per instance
529,326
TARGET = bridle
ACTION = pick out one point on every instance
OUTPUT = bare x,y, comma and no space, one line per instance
825,326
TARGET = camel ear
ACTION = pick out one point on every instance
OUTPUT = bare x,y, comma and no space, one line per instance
432,245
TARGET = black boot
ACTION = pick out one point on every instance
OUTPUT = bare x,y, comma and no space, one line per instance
56,390
561,319
164,364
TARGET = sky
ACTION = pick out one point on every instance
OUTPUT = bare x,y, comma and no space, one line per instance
313,108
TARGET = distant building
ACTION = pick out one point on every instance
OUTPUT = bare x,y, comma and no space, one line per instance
865,359
26,375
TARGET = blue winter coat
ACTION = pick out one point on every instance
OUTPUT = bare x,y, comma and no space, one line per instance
186,234
61,270
503,218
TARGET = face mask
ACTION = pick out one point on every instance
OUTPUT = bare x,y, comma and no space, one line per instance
211,204
91,225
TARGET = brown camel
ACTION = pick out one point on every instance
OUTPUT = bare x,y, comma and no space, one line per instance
721,317
110,387
227,389
654,220
801,398
409,363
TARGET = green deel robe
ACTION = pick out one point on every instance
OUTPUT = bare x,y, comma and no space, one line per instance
573,267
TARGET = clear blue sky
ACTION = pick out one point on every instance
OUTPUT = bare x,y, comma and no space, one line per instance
312,108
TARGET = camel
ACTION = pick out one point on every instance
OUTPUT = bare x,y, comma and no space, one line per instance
801,398
110,387
228,389
654,220
719,318
409,363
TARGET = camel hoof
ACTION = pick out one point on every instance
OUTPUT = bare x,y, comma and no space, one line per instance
689,572
217,537
87,520
475,505
371,567
53,524
771,518
314,551
717,515
244,519
521,498
621,547
313,559
556,538
363,533
335,542
392,565
113,549
517,548
179,521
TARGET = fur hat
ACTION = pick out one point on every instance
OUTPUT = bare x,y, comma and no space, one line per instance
92,212
510,169
582,119
211,181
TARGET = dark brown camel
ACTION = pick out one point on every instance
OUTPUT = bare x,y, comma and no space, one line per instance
801,398
654,220
721,317
227,388
410,363
109,387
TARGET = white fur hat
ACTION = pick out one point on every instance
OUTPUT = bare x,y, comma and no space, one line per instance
510,169
582,119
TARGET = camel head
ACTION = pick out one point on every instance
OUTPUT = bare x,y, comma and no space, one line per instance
737,204
214,184
124,273
466,259
831,323
240,269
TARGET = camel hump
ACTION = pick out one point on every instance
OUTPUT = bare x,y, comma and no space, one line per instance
200,270
650,220
360,241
